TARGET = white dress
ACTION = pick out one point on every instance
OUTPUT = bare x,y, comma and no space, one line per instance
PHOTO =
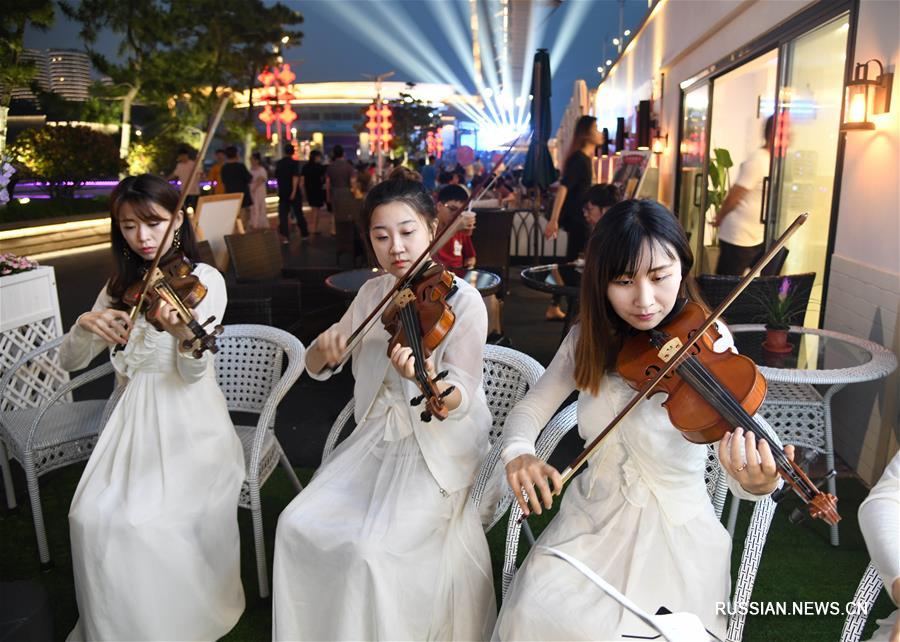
639,515
258,218
383,544
153,524
879,521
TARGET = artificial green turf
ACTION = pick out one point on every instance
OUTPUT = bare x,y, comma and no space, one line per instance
797,565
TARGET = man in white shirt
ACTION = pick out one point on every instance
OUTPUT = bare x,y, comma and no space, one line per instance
182,172
741,232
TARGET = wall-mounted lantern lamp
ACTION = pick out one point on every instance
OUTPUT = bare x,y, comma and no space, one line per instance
660,141
865,97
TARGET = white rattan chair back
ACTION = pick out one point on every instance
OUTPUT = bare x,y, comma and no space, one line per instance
870,586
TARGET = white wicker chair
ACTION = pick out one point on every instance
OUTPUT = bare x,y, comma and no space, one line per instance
863,600
249,371
42,428
508,375
716,486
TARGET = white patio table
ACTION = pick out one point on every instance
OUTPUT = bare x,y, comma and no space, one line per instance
800,413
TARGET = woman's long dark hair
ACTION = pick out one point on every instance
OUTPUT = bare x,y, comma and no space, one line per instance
614,249
404,190
141,193
583,129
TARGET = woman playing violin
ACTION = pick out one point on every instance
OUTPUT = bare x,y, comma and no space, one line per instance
383,544
153,524
639,515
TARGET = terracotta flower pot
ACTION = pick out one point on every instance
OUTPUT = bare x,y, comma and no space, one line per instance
776,341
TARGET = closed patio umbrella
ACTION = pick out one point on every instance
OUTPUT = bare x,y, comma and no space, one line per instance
539,171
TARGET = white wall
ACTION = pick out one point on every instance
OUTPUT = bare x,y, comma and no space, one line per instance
682,38
864,286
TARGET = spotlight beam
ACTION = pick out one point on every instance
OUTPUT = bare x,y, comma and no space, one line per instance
415,67
573,20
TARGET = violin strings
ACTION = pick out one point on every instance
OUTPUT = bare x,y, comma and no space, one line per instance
739,415
413,336
701,376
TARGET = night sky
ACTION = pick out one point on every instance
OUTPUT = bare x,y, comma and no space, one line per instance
333,49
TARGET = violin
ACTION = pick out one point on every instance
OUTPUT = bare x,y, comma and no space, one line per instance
171,281
711,393
673,364
419,317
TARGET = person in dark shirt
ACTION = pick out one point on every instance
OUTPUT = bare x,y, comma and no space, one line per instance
236,178
312,180
577,177
290,199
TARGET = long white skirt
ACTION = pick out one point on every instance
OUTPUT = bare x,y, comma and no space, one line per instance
373,550
636,549
153,525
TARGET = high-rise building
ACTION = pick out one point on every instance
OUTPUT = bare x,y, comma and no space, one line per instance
60,71
69,73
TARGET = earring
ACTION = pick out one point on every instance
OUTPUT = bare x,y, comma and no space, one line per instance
176,242
125,252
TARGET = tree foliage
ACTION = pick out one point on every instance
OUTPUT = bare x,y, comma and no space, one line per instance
14,18
412,118
181,55
66,157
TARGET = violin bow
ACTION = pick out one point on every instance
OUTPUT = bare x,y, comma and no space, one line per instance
224,99
439,241
589,450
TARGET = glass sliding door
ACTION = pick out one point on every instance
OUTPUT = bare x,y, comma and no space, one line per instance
692,163
742,100
806,146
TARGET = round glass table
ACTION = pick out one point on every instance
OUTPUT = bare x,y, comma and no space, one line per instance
563,279
348,283
800,413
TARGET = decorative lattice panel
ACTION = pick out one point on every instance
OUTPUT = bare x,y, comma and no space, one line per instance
504,385
247,369
797,414
267,462
35,382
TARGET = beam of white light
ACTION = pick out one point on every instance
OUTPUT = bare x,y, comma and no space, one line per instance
408,31
535,30
415,67
412,64
460,43
500,22
573,20
490,67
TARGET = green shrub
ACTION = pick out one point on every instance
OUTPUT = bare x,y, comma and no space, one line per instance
66,156
15,212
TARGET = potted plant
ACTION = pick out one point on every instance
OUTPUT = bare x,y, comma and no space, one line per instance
719,177
780,310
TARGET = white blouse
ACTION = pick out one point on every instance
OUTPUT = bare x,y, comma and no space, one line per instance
879,521
453,448
80,346
659,460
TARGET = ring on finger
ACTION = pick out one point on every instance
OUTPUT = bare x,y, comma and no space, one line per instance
741,467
